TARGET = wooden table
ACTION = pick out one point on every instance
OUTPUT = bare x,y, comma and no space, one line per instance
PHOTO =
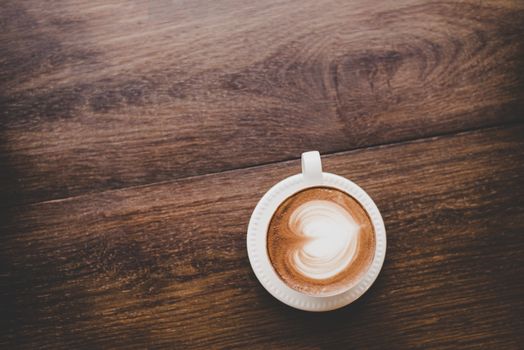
137,136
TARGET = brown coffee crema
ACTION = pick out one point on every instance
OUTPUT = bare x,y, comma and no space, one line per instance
321,241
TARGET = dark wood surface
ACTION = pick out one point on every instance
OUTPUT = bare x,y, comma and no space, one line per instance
137,137
99,95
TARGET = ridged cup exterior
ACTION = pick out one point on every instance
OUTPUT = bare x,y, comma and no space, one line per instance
257,243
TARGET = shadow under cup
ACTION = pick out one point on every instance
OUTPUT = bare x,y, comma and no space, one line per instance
321,241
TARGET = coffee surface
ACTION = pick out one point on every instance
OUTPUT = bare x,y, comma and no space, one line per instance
321,241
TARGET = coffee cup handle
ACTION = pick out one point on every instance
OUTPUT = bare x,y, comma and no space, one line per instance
312,168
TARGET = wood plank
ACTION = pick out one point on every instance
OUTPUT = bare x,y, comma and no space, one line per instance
99,94
166,264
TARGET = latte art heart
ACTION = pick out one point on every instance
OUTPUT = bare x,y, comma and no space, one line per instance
320,241
332,238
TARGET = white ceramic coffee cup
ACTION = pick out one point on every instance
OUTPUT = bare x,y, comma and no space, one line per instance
311,176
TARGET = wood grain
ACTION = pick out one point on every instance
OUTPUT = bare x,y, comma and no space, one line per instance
100,95
165,265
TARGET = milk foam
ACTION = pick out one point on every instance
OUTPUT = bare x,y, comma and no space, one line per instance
332,238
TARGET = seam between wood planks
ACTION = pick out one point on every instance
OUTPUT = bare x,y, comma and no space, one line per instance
329,154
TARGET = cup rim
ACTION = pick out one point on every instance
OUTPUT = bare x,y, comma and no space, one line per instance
257,243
